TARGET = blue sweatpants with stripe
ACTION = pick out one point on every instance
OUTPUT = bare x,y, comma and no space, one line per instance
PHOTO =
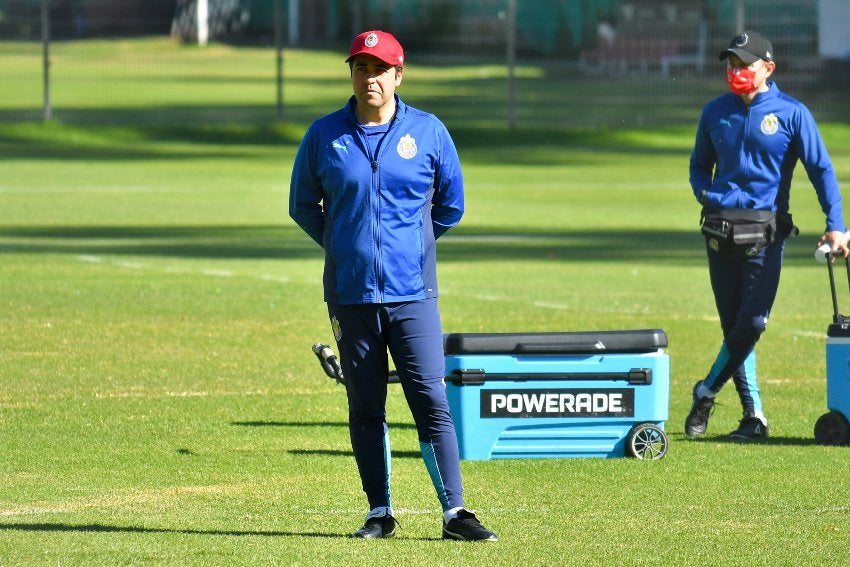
744,292
411,333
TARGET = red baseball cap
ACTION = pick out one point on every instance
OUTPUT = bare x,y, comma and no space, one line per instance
379,44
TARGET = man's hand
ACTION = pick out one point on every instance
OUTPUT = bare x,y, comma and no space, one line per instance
837,242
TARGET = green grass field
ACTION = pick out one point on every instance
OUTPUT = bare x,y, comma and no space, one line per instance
159,403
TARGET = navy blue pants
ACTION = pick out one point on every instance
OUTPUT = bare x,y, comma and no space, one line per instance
412,334
744,292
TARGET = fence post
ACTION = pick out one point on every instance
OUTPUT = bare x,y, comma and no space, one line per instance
511,61
45,40
293,34
740,21
278,41
203,22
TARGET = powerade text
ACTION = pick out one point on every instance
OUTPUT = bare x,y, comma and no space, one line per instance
568,402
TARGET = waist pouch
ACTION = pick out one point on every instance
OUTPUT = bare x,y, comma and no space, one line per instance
739,233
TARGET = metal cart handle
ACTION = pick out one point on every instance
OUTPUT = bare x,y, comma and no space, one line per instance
836,316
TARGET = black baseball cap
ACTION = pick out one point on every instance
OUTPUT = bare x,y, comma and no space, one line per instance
749,46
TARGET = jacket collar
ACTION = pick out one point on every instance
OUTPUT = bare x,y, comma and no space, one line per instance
771,93
400,109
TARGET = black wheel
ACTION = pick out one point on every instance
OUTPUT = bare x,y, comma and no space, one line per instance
646,441
832,429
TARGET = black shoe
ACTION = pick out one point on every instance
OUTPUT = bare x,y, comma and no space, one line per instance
466,527
376,528
697,420
751,428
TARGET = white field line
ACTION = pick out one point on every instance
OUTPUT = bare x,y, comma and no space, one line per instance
494,298
132,498
807,333
87,190
118,394
585,186
210,272
499,238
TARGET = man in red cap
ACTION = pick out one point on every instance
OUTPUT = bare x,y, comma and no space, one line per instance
748,143
375,184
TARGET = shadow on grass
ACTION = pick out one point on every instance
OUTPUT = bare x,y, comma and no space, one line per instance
159,120
164,241
269,241
340,424
474,102
139,141
338,453
333,424
101,528
684,248
772,440
98,136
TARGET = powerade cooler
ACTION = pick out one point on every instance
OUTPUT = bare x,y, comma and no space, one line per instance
833,428
553,395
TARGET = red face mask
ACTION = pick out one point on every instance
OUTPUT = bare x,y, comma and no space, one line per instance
741,81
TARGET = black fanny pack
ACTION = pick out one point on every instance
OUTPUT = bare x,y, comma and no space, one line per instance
740,233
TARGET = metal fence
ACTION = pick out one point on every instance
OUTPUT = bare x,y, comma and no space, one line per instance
654,52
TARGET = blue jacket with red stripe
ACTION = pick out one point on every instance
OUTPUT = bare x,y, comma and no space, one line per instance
744,156
377,216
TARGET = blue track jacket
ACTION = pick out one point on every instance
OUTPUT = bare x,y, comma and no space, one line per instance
744,157
377,216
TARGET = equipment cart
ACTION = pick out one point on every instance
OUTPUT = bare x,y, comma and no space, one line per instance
833,428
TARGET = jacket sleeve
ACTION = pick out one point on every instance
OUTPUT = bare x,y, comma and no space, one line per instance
815,159
305,191
703,160
448,200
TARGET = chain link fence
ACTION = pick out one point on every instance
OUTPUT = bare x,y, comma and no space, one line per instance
640,62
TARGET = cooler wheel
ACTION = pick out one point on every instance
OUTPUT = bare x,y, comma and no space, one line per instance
832,429
646,441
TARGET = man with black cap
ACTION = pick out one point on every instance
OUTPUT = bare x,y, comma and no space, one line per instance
747,144
375,184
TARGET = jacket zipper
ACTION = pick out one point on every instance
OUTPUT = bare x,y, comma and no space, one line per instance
379,275
376,184
745,165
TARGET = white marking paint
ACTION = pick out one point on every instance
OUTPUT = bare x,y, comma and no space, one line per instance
210,272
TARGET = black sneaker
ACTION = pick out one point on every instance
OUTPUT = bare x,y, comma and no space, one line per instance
376,528
466,527
697,420
751,428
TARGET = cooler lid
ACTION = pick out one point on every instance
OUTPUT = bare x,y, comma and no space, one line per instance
584,342
839,329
